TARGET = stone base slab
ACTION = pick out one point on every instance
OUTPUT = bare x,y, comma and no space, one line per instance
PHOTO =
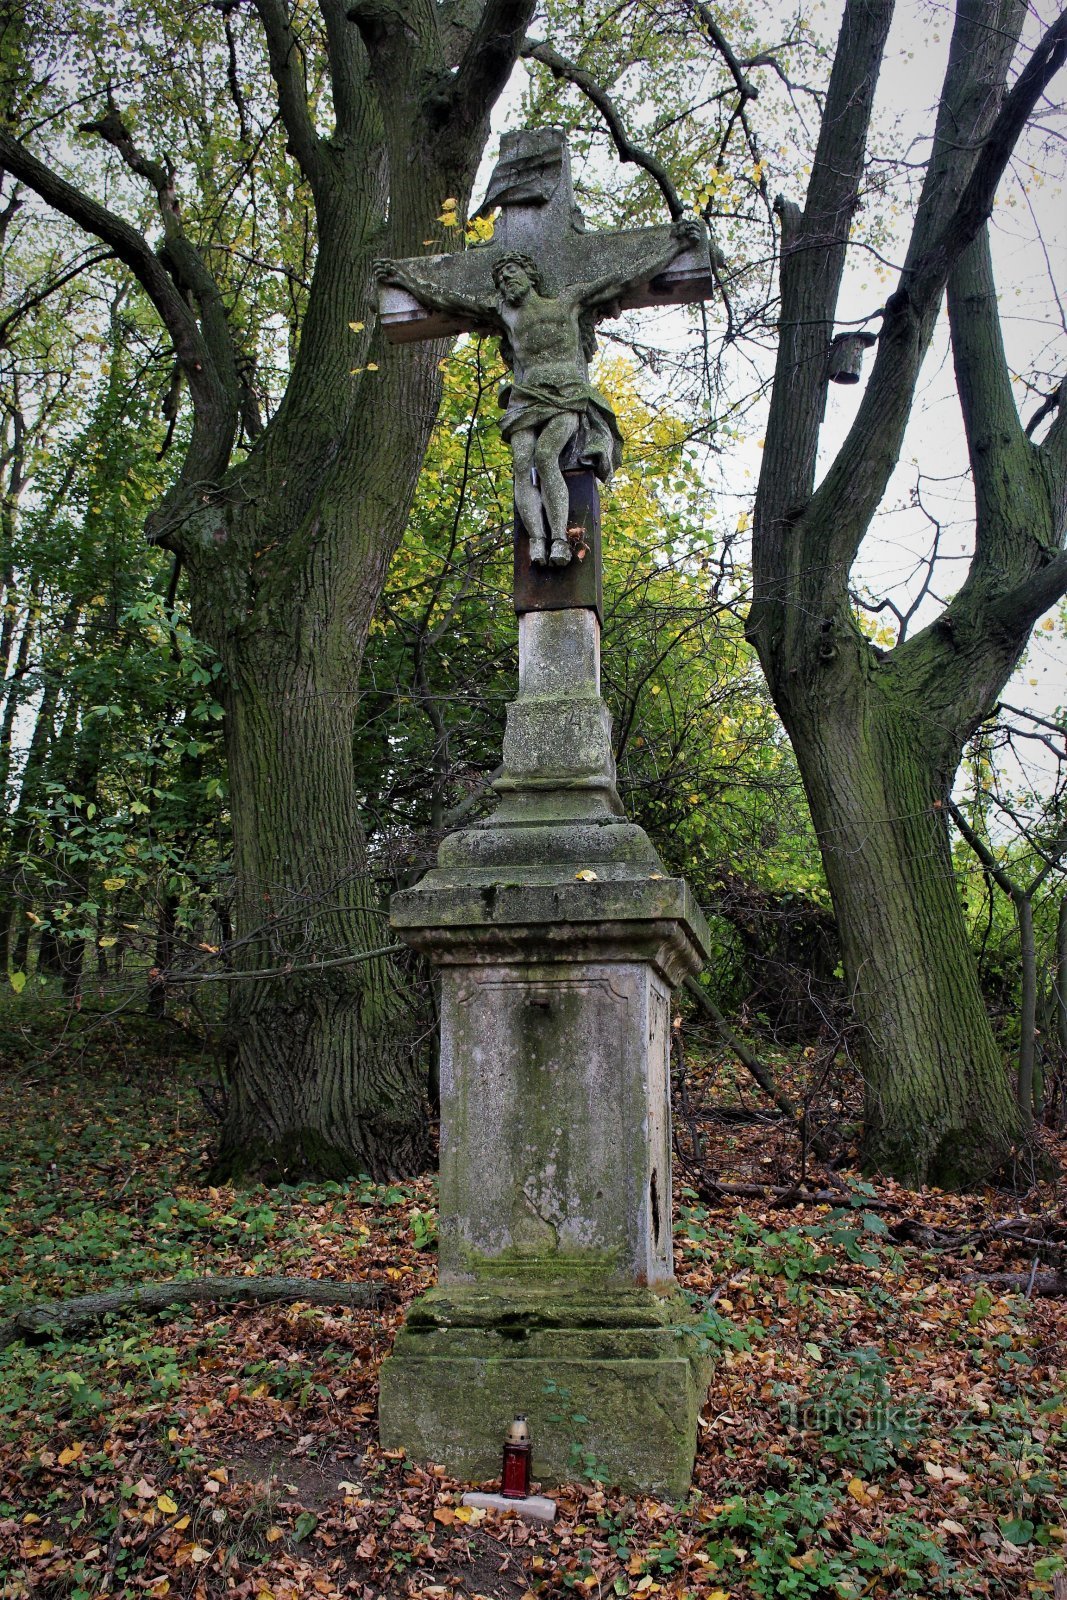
615,1397
534,1507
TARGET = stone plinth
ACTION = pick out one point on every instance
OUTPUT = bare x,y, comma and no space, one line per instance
610,1381
557,936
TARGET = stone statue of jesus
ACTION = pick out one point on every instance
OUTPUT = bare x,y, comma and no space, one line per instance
551,407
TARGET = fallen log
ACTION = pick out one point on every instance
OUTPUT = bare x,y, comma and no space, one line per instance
70,1316
788,1194
1051,1285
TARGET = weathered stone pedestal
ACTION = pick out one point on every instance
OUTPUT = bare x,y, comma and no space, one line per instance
558,938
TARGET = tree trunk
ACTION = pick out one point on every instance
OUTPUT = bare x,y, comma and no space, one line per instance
1061,976
166,918
324,1067
938,1105
1028,1088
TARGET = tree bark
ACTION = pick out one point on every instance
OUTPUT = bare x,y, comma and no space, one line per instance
937,1102
324,1069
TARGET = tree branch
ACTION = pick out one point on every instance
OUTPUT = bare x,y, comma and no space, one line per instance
982,851
50,287
214,417
69,1316
287,69
181,256
976,204
745,87
1018,608
812,262
488,59
560,67
972,145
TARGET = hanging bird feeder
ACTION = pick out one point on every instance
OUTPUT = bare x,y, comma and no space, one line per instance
845,360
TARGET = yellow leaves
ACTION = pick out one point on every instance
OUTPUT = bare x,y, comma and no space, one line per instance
371,366
166,1504
718,186
587,875
480,230
112,884
449,1515
18,981
38,1547
447,213
73,1452
107,941
857,1489
273,1534
357,327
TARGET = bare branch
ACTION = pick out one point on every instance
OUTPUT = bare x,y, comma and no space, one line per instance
49,287
214,411
746,89
560,67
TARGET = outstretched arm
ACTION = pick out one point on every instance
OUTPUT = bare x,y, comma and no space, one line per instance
435,297
685,235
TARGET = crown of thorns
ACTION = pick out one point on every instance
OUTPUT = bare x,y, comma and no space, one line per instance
519,258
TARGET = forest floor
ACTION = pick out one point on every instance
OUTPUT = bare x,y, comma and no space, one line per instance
880,1423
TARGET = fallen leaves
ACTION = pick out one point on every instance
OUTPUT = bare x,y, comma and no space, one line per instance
236,1452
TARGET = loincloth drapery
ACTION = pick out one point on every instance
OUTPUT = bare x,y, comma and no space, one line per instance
597,442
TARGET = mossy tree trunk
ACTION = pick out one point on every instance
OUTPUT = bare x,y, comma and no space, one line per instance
879,735
286,548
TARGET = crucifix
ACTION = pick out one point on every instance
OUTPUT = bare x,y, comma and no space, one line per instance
556,931
541,287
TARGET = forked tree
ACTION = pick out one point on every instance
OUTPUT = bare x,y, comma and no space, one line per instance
879,734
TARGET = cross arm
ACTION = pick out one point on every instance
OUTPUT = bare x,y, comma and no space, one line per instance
636,258
435,296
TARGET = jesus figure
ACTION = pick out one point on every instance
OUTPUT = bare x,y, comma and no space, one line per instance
551,407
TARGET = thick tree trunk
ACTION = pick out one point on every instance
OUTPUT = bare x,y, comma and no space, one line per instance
938,1104
324,1072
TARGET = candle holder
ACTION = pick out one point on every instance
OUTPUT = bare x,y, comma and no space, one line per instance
515,1467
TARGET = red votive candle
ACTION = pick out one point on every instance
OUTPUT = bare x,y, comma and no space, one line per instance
515,1469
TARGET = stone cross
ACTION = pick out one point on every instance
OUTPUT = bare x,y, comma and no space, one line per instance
557,934
541,286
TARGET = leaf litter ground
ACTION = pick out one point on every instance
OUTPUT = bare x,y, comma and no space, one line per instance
880,1423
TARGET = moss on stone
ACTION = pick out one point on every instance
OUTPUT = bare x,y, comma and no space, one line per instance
612,1383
